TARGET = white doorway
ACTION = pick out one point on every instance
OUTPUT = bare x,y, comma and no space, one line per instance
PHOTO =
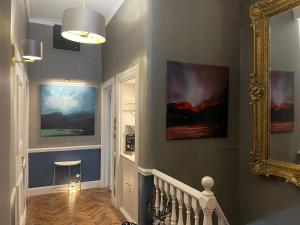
108,127
20,111
120,140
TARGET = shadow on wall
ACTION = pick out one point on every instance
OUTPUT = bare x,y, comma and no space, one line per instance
287,216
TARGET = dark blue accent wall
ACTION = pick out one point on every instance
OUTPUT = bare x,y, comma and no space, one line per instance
145,191
41,166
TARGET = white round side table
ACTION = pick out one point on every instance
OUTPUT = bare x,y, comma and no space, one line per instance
68,164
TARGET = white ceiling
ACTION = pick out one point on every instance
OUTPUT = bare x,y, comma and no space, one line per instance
50,11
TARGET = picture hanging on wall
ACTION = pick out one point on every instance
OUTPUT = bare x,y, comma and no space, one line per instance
282,101
67,110
197,101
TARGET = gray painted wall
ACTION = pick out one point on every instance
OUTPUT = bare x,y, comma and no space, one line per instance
61,65
262,201
126,47
208,32
157,31
5,112
202,32
19,22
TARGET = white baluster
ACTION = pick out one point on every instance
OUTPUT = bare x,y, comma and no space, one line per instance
196,210
174,213
167,191
180,207
161,188
207,201
187,202
156,204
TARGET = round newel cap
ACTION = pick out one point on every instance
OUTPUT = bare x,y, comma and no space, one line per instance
207,183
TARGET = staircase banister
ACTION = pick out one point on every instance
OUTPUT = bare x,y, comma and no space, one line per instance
221,214
192,192
178,184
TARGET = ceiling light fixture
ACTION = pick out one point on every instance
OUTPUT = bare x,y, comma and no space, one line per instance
83,25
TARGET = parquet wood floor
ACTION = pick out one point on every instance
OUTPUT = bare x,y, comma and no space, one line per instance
90,207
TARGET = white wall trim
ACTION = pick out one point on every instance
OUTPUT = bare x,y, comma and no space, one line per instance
23,217
12,196
44,21
115,202
144,172
31,13
49,189
63,149
126,215
116,7
107,139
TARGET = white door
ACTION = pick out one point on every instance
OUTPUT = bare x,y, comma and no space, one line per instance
20,143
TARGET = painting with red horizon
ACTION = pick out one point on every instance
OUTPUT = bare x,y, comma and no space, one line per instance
197,101
282,101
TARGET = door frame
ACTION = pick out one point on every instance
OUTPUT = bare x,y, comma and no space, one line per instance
20,106
131,73
107,137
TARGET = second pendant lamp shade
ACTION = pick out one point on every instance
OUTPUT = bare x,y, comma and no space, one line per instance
83,25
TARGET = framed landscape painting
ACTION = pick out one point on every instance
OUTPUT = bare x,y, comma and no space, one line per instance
282,101
67,110
197,101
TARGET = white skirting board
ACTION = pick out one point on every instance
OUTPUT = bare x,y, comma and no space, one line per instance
126,215
49,189
23,217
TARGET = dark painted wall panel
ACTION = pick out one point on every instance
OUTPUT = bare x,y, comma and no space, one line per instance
145,191
41,166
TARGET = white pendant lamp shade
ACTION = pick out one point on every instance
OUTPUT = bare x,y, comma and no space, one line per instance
32,50
83,25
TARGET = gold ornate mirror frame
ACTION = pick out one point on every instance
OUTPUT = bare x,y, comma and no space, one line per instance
260,162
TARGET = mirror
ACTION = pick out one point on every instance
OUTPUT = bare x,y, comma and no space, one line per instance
275,89
285,78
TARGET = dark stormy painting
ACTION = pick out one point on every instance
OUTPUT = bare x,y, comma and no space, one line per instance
197,101
67,110
282,101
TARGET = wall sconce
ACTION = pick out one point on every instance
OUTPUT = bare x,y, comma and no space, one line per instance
32,51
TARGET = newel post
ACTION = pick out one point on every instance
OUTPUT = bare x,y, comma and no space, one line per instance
207,201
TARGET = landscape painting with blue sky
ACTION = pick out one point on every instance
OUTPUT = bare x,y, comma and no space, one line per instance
67,110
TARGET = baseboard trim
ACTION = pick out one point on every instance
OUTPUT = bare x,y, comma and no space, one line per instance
115,202
126,215
49,189
23,217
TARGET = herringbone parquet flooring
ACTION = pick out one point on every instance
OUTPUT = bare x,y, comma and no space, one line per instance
90,207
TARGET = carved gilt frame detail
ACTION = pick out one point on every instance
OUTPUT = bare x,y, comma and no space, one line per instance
260,162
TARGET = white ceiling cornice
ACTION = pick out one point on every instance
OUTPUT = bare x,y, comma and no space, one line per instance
50,12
